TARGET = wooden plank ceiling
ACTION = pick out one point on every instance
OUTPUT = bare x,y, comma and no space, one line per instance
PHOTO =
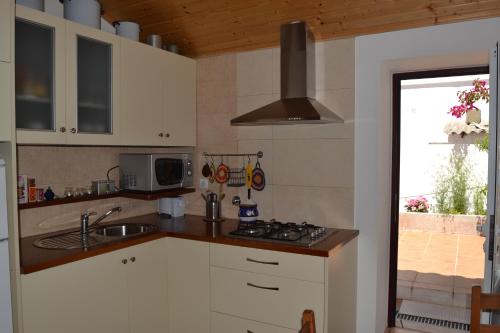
204,27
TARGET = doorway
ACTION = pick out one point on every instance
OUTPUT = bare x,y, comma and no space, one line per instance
439,181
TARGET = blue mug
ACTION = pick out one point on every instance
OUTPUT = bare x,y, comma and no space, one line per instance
248,213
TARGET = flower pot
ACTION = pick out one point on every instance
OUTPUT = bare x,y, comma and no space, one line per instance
473,116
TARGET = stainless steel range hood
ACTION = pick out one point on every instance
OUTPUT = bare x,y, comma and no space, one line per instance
297,104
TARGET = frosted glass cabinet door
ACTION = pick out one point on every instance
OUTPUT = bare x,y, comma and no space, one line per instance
39,71
93,64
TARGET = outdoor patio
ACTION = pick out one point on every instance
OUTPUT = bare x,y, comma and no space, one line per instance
439,268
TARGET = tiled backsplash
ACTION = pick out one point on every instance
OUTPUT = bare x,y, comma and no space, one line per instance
61,167
309,168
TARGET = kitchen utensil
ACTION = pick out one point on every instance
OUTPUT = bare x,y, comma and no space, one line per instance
213,208
211,178
35,4
87,12
248,211
205,171
237,177
173,48
258,177
154,40
248,181
222,173
127,29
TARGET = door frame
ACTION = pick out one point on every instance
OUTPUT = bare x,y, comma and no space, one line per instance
395,173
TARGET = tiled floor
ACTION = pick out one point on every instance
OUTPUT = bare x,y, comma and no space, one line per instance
439,268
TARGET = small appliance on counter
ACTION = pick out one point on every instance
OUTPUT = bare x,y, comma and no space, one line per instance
175,207
155,172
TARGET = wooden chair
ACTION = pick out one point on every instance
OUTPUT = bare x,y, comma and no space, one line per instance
483,302
308,323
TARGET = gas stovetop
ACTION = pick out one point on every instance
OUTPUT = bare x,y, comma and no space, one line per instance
303,234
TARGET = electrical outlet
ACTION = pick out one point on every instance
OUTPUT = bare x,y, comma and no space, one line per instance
203,183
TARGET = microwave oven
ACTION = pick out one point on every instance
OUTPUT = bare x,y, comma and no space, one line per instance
155,172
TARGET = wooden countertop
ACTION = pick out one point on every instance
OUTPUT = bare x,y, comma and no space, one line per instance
192,227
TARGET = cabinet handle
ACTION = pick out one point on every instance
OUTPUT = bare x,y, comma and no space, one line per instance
261,287
132,259
124,261
160,135
73,130
62,129
248,331
167,135
263,262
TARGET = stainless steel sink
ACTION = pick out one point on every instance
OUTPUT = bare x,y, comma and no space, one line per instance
100,235
124,230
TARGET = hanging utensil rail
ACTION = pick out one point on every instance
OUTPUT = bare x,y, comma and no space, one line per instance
259,154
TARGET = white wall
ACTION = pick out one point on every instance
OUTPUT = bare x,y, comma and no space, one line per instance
377,57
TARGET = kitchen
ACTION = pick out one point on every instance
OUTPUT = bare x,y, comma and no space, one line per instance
305,180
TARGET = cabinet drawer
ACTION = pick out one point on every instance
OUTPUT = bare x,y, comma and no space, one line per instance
268,299
289,265
221,323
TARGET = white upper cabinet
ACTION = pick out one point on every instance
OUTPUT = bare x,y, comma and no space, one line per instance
158,97
6,11
40,80
90,87
141,100
179,93
92,76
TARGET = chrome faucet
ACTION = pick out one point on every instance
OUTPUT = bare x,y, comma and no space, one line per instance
85,227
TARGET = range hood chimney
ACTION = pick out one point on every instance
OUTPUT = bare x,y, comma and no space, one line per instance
297,104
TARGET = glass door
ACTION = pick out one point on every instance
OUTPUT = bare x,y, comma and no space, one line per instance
39,67
492,257
93,64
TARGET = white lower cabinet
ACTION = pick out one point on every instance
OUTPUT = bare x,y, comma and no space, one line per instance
221,323
147,287
117,292
268,299
188,286
85,296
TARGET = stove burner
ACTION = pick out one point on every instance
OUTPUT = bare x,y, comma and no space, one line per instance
303,234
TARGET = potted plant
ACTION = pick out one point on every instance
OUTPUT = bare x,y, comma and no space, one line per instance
467,98
417,205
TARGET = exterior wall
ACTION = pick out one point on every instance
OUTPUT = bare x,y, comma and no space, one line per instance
377,57
309,168
444,223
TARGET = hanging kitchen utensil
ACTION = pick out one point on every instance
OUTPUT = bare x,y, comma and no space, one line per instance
248,182
258,177
205,171
222,173
211,178
237,177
